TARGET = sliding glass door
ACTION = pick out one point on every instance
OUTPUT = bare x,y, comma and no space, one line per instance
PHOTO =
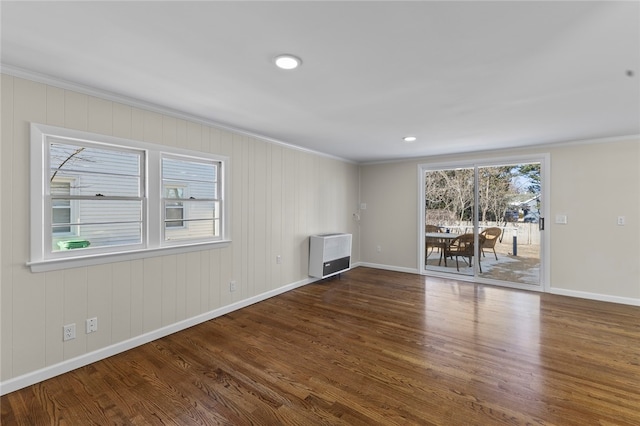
484,221
449,207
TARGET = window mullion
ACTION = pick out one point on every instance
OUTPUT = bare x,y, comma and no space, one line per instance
154,205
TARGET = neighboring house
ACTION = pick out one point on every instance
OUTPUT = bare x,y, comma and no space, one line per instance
530,205
519,209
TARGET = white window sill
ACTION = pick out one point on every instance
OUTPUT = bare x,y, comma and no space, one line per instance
66,263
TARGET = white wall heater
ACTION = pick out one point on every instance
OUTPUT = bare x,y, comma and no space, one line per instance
329,254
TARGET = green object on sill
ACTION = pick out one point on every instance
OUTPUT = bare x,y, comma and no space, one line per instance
73,244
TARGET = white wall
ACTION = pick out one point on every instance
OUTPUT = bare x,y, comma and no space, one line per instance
279,197
390,220
592,183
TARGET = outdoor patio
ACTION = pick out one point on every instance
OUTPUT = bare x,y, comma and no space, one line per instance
523,268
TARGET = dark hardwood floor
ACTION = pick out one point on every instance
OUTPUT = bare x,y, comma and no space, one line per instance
374,347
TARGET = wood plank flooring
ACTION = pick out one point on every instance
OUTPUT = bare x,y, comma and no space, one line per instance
374,347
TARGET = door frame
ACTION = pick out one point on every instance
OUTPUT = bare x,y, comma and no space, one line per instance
545,237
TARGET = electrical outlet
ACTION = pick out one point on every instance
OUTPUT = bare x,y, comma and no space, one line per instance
278,259
68,332
621,221
92,325
232,286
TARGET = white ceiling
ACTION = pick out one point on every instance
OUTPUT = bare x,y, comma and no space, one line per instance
461,76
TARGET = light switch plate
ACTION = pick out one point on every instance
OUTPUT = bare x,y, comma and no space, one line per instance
561,219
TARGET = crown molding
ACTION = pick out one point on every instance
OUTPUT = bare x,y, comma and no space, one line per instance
527,149
137,103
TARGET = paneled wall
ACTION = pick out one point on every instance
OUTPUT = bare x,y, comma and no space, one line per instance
279,196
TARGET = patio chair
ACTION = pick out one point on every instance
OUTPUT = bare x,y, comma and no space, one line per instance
463,246
491,236
430,242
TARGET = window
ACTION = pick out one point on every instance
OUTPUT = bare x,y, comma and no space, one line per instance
194,216
98,197
108,195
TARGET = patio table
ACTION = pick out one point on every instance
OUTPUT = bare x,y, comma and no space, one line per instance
445,238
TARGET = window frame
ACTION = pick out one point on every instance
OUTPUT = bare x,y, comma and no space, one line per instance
141,197
43,258
188,195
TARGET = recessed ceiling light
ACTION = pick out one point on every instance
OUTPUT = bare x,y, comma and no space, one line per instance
409,139
287,62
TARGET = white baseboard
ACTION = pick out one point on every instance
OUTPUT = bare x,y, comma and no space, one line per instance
595,296
552,290
40,375
390,267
